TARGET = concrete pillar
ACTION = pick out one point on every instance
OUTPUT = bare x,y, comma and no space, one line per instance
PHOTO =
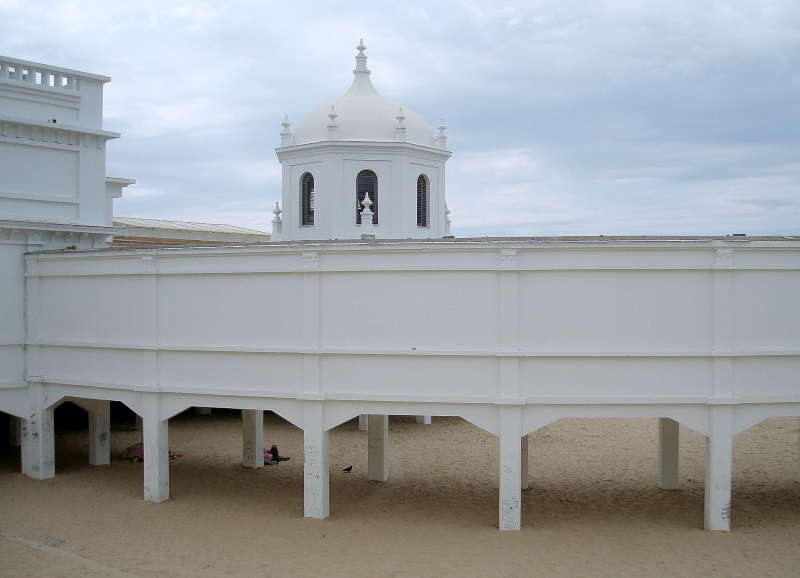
14,431
137,425
719,453
424,419
100,433
523,461
155,433
363,422
510,466
668,438
38,440
378,453
316,495
253,438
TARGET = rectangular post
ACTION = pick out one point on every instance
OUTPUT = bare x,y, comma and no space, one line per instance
510,474
378,453
100,433
719,454
253,438
38,439
668,455
363,422
155,433
523,461
424,419
316,494
14,431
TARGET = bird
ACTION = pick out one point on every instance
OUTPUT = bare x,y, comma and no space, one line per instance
348,469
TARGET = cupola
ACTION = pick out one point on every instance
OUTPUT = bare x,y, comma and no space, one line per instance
362,152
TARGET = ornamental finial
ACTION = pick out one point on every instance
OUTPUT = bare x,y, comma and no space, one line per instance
441,138
361,59
286,134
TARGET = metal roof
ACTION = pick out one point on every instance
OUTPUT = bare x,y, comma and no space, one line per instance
184,226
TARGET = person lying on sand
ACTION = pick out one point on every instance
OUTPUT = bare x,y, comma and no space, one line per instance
272,456
276,457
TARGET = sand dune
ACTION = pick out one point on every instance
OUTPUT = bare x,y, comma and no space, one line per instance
593,508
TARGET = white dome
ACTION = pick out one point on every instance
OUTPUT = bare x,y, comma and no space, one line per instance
363,115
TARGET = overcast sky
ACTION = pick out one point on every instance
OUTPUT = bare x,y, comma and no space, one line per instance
563,117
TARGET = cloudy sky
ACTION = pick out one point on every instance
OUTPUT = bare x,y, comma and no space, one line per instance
564,117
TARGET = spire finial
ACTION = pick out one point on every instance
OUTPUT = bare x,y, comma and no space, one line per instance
361,59
277,223
333,126
400,128
286,134
441,138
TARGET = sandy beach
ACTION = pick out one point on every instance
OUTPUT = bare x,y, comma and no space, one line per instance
593,507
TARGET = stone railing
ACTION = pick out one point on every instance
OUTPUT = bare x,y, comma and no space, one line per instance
39,75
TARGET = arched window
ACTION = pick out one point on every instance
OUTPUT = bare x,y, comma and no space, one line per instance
307,200
367,182
422,201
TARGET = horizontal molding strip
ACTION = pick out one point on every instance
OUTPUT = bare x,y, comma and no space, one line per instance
410,352
354,397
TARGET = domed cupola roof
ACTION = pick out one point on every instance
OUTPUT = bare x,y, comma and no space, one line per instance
362,115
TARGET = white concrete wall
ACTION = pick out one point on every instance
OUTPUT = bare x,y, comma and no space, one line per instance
438,322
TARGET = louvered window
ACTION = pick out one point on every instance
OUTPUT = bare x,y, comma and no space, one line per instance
367,182
422,201
307,200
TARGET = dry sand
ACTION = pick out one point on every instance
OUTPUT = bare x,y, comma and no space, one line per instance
593,508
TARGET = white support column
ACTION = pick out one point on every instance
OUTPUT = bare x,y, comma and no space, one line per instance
100,433
253,438
378,456
668,446
14,431
155,433
523,461
510,474
424,419
363,422
719,453
38,441
316,495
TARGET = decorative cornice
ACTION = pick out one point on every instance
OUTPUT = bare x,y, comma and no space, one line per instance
67,128
384,147
42,226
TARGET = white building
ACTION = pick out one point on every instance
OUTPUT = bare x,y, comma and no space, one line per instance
54,192
510,334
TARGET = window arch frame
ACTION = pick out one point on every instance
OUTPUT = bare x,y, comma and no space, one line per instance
372,197
307,200
423,202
